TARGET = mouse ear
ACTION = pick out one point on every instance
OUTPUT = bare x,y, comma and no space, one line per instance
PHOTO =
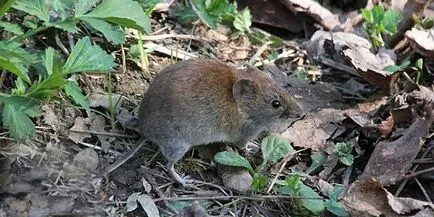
244,88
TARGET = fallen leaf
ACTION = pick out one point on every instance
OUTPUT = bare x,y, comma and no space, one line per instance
195,210
422,41
390,160
369,198
370,66
86,159
79,125
314,130
148,205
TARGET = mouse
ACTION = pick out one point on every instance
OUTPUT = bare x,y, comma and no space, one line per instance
199,102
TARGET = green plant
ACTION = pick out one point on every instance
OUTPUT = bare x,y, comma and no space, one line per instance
426,23
306,199
333,204
23,101
52,73
379,21
343,151
105,17
273,149
212,12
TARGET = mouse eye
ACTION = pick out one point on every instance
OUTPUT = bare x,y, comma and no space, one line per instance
276,104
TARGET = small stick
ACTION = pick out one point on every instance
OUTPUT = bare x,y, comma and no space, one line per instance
104,134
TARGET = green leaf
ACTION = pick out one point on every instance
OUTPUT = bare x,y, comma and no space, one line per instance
88,57
427,23
20,88
316,206
16,112
318,160
336,208
230,158
275,148
5,6
11,27
223,10
347,160
15,59
391,20
83,6
336,192
112,33
76,94
419,64
368,16
131,15
243,21
395,68
259,182
344,150
184,14
52,61
392,68
45,89
68,25
37,8
378,14
295,187
16,69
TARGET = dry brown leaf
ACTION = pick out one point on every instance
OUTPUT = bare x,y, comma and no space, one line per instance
386,126
97,124
369,198
80,125
216,35
371,107
50,117
275,14
371,66
391,160
102,100
86,159
314,130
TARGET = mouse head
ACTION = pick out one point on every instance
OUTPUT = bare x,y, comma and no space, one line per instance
263,101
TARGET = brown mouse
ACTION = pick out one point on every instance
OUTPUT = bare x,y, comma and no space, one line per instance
198,102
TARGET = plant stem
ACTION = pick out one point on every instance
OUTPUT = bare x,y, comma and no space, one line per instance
30,33
143,56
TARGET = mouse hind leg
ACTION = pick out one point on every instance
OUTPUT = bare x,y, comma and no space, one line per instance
173,151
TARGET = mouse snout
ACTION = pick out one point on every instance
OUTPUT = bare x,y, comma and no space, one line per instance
294,111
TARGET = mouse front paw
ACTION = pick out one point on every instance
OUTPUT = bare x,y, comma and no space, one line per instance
181,179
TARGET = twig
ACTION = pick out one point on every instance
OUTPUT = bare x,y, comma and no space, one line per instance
179,36
285,160
260,197
124,61
2,78
418,173
401,186
61,46
104,134
98,148
427,197
258,53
